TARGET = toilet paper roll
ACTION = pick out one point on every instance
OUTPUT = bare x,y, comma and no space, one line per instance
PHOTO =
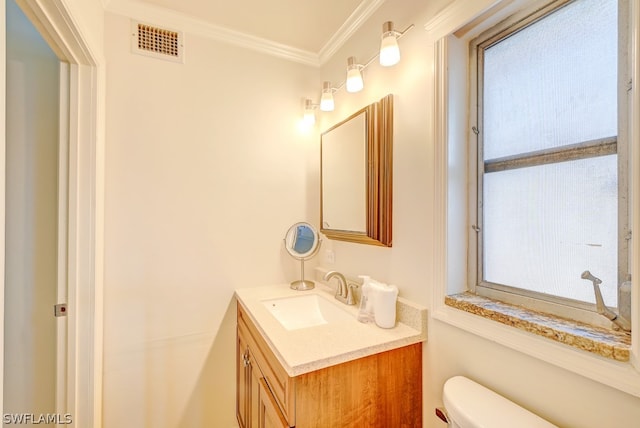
385,305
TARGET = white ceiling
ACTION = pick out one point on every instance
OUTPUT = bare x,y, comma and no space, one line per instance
308,31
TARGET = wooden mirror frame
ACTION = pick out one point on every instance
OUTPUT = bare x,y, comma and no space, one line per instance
379,140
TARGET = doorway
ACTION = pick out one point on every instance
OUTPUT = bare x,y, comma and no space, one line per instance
79,216
33,177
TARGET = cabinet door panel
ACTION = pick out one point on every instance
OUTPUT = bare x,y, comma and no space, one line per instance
243,393
254,405
270,415
280,384
248,377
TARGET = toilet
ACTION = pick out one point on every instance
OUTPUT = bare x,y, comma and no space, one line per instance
471,405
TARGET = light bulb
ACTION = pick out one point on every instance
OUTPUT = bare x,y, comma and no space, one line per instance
354,76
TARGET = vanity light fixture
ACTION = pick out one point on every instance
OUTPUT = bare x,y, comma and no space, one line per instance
309,117
354,75
326,101
389,50
389,55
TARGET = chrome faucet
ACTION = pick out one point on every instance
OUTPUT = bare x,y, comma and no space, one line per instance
344,290
602,309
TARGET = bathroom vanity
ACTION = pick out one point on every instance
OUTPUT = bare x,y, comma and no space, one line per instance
333,372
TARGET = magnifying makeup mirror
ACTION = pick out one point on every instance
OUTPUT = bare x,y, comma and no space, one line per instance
302,242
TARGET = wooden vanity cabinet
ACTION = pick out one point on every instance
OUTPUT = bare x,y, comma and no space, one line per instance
381,390
264,390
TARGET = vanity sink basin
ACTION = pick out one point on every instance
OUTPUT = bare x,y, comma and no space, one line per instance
310,310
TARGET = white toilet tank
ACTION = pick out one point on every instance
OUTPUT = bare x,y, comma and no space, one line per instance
471,405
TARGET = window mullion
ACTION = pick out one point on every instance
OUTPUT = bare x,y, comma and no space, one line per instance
584,150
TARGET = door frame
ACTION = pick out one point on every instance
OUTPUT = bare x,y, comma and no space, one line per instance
82,382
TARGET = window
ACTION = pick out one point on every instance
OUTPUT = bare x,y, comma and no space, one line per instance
551,161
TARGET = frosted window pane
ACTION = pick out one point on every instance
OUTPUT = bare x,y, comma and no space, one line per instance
554,82
545,225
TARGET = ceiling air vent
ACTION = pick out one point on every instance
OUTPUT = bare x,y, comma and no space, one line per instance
157,42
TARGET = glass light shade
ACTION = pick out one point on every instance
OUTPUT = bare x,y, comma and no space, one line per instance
354,76
326,102
389,50
309,117
354,80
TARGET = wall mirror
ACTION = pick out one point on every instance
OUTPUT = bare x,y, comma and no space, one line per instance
356,158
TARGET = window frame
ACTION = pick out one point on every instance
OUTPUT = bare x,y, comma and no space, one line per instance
561,306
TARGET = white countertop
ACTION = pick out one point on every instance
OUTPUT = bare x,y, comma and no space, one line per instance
312,348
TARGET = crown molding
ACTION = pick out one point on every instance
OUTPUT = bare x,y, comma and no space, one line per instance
160,16
348,29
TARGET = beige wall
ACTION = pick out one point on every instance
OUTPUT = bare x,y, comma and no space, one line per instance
205,171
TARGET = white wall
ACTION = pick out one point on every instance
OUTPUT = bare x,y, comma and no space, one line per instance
563,397
206,169
31,218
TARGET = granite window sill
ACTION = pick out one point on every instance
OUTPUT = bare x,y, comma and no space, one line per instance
607,343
